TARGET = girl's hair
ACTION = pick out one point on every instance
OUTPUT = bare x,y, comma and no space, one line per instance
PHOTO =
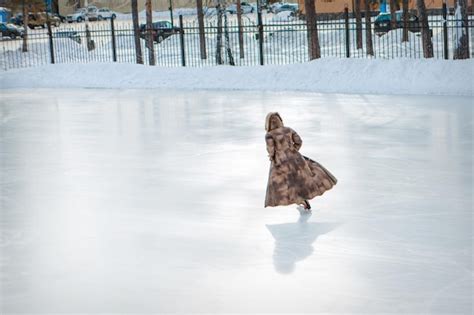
273,121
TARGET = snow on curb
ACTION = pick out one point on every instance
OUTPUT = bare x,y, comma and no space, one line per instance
376,76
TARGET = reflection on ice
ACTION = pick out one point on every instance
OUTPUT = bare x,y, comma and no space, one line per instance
294,241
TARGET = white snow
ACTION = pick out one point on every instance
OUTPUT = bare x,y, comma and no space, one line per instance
401,76
151,201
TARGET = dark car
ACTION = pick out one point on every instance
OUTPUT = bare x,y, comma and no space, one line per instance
382,23
17,19
10,30
286,7
161,31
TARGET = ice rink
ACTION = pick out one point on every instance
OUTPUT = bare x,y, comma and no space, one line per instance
152,201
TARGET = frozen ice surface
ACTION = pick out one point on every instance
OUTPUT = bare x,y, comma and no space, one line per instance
152,201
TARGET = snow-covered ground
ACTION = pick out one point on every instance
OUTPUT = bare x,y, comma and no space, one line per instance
399,76
138,201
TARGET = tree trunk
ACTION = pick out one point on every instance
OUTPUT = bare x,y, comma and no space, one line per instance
219,60
425,29
25,26
149,26
202,35
393,17
405,21
314,51
358,18
55,6
368,29
241,31
461,47
136,31
89,40
227,42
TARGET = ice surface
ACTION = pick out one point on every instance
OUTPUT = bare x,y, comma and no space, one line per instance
152,201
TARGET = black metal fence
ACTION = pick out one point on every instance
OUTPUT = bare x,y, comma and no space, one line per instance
283,42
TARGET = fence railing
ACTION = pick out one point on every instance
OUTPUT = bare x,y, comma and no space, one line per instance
283,42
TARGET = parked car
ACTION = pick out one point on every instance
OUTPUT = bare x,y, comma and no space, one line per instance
244,6
382,23
274,6
11,30
286,7
78,16
91,12
161,30
17,19
41,19
106,13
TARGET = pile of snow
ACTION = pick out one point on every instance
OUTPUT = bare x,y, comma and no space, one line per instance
400,76
285,16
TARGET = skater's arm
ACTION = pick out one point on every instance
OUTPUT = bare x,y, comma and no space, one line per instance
297,142
270,147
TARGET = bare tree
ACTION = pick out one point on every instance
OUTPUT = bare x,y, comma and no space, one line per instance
461,46
76,4
202,35
241,32
25,26
312,30
149,26
55,6
425,29
368,29
393,16
220,13
358,18
405,20
136,31
227,42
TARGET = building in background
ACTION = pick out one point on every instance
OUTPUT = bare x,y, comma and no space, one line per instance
336,6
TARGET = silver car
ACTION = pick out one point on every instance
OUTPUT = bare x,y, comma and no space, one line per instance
78,16
106,13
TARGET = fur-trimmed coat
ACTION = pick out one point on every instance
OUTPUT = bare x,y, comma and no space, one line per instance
293,177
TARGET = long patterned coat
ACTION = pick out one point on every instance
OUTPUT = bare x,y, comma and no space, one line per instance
293,177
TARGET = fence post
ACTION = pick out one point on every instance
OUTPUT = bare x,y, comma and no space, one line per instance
114,44
346,18
181,36
51,44
260,32
445,31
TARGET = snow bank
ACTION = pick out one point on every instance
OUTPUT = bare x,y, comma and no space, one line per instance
400,76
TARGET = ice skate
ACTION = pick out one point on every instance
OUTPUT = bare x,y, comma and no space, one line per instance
306,205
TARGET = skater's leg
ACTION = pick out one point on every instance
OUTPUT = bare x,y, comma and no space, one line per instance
306,205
